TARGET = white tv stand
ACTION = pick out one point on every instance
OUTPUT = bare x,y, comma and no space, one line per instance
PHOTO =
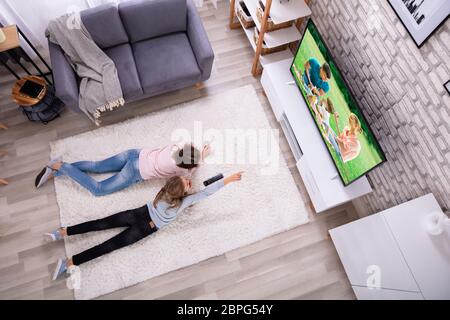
314,162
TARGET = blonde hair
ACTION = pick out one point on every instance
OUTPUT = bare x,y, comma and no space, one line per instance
330,106
173,193
354,122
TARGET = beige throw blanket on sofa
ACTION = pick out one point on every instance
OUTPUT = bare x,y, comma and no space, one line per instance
100,88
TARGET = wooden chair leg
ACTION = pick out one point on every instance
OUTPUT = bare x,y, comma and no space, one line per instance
231,22
3,182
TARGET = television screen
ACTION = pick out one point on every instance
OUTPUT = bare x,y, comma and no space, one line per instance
349,140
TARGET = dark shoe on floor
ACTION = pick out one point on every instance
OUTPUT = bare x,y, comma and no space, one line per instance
43,177
46,173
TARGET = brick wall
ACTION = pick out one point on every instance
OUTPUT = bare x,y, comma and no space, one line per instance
400,89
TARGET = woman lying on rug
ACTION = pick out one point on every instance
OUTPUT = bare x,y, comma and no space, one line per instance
170,201
131,167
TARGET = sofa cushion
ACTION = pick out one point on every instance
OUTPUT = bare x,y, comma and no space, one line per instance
166,62
104,25
126,68
145,19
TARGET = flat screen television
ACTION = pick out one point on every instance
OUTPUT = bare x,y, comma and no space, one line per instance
348,138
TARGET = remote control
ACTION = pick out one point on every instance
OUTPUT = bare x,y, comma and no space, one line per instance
213,179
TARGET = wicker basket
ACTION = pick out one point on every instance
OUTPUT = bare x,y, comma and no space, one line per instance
244,15
265,50
271,26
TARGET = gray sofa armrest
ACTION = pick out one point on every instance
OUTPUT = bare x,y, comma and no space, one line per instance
65,79
199,41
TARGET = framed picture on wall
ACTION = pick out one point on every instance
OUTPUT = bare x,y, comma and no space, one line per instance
421,17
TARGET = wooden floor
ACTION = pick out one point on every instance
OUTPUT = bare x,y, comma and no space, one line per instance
299,264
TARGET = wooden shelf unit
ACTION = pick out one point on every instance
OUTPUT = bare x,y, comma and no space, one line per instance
12,38
293,10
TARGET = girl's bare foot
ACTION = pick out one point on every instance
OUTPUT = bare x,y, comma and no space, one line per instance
55,235
63,232
69,263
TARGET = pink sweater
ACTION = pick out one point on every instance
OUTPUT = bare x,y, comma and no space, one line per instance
159,163
349,145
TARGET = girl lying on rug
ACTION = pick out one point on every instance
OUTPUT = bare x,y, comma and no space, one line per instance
170,201
131,167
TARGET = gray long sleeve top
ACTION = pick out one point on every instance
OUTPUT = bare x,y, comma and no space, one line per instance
163,215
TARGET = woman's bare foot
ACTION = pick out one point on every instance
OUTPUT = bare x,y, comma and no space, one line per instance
56,166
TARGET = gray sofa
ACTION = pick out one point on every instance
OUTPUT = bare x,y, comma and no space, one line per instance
157,46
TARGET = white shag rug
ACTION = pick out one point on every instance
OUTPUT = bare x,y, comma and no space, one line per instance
259,206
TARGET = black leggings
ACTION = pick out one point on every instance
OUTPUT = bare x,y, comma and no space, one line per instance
138,226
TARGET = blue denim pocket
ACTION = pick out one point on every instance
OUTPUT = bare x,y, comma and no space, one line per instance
137,172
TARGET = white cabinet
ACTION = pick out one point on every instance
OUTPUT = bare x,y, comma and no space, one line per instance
428,256
369,242
412,264
364,293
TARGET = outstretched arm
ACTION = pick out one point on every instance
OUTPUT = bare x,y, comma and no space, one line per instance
209,190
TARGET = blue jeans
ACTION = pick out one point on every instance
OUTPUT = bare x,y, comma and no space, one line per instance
305,78
332,138
126,164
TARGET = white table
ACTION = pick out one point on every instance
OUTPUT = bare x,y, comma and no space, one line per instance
412,263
